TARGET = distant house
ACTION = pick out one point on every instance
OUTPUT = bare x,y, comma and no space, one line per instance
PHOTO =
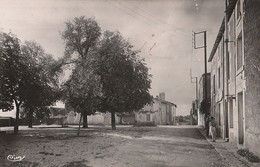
203,96
127,118
56,112
161,112
56,116
6,121
74,118
97,118
194,112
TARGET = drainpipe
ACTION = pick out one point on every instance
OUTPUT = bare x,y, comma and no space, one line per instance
225,45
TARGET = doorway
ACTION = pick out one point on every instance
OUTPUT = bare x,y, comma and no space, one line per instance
240,119
226,121
231,116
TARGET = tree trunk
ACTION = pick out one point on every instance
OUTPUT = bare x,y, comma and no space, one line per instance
113,120
16,124
85,119
30,118
79,124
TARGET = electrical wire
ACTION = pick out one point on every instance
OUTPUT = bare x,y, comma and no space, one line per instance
143,19
150,20
160,20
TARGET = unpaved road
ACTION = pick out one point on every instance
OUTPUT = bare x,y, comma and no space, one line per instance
176,146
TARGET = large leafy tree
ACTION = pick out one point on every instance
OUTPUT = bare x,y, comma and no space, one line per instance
22,80
13,75
9,54
38,113
82,91
80,35
124,76
44,90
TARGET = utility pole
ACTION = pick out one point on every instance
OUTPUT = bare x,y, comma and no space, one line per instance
196,82
191,77
205,57
205,63
197,98
205,91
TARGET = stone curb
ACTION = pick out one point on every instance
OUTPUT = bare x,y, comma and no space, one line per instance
233,159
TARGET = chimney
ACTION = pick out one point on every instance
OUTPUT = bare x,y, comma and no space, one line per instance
162,96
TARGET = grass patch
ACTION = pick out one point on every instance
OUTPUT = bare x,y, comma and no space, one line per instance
251,157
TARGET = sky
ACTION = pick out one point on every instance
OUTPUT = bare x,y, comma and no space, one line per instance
160,29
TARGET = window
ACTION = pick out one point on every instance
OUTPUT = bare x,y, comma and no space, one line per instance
239,51
140,116
148,117
220,49
228,66
219,77
238,9
214,86
219,52
231,30
219,113
231,124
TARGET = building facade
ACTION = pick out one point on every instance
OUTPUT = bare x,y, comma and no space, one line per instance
194,112
161,112
203,95
235,75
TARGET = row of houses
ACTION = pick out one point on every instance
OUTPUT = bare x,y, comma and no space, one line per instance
160,112
235,76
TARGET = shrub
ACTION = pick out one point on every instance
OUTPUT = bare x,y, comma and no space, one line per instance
249,155
252,158
147,123
242,152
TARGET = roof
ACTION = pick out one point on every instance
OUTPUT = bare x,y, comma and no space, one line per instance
164,101
230,8
5,117
146,111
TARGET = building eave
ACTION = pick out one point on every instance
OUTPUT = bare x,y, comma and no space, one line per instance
167,102
221,31
164,101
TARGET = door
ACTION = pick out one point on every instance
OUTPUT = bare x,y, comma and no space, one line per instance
226,121
230,112
240,119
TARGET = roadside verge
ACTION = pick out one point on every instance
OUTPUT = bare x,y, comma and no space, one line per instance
228,152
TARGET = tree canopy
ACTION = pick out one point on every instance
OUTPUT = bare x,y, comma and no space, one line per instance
108,73
124,76
44,90
205,107
80,91
80,35
26,78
